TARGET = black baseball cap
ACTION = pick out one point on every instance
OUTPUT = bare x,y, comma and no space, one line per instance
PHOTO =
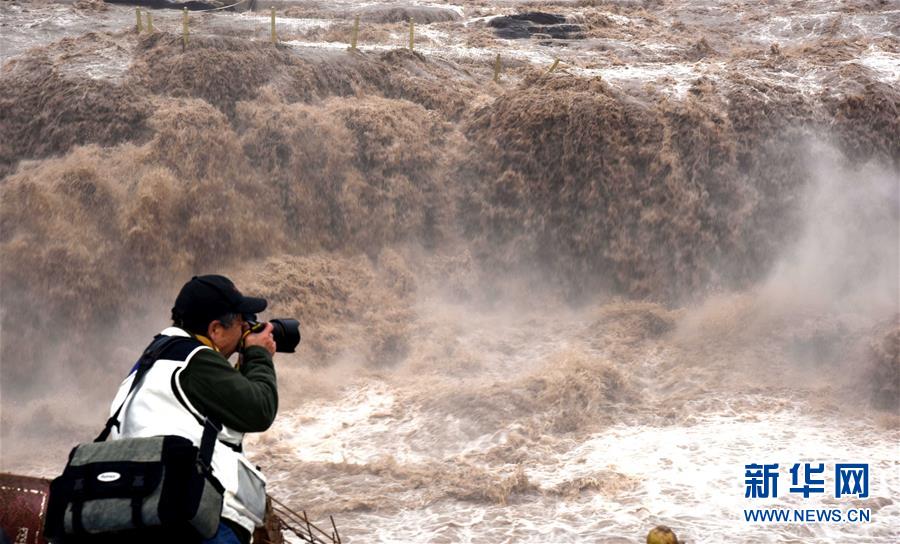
206,298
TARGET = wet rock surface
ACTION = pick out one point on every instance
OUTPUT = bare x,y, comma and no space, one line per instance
535,24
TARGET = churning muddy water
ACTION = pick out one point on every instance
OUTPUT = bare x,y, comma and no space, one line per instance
564,270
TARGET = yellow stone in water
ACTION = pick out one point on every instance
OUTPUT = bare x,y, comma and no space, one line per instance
661,535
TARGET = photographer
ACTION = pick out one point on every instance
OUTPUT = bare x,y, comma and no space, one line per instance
192,380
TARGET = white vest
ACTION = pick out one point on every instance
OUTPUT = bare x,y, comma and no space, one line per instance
160,407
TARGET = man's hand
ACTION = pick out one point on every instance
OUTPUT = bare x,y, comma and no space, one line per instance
262,339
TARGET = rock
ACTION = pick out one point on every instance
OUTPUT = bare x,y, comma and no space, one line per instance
661,535
536,17
527,25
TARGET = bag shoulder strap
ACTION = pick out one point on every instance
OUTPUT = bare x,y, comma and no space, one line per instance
208,444
159,344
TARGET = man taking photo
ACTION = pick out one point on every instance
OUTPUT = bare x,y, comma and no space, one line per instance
192,380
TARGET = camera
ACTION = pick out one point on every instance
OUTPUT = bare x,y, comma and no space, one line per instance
285,331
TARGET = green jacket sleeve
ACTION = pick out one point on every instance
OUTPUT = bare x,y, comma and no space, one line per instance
245,400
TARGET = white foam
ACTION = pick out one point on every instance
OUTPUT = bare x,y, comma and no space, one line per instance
292,23
695,474
681,74
884,63
357,429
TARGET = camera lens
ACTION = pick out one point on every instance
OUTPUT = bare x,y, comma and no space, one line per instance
286,333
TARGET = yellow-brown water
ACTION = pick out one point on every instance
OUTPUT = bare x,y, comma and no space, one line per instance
564,307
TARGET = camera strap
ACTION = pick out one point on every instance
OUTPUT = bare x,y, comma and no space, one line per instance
153,352
150,355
